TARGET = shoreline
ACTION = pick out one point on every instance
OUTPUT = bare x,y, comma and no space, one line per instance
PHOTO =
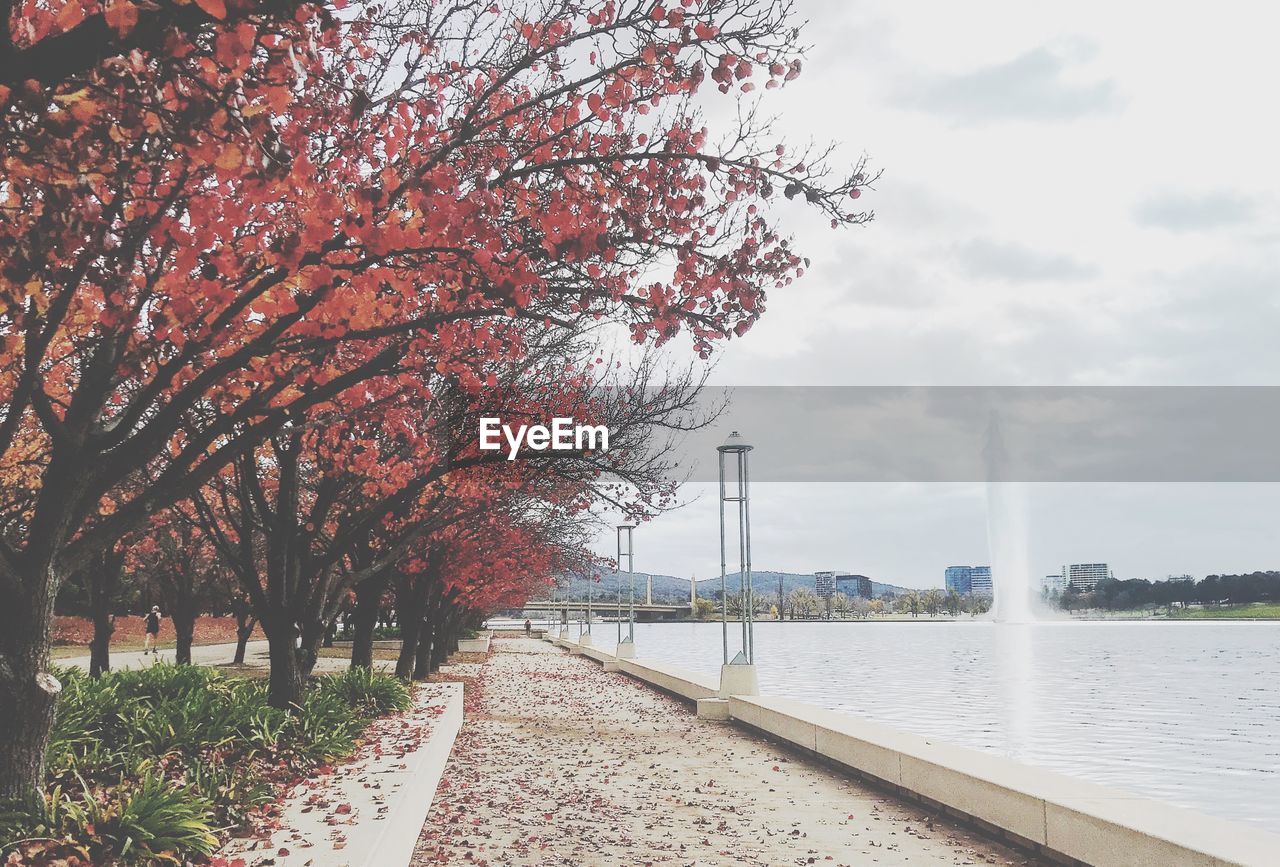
1063,818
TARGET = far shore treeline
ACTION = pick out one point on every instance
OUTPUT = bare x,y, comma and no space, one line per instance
1122,595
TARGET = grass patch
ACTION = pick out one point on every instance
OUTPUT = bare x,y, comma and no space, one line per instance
1250,611
150,766
385,654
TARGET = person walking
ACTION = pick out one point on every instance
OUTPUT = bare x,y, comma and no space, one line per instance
153,630
527,627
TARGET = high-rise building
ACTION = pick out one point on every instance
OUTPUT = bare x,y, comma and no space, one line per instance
824,584
969,580
1083,577
855,585
960,579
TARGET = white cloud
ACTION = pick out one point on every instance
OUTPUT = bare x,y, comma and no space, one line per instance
1034,86
1067,198
1188,212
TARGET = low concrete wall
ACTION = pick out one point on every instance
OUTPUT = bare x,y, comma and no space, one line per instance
385,821
473,645
676,681
1064,818
1058,815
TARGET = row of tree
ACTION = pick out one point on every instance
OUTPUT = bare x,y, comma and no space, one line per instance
265,265
804,604
1121,595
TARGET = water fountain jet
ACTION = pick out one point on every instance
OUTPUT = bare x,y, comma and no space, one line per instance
1006,533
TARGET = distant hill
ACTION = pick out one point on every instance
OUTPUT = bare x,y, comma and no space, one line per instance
671,589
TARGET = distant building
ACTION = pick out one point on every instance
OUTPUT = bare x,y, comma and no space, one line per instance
960,579
824,584
1052,586
969,580
980,581
855,585
1083,577
1181,579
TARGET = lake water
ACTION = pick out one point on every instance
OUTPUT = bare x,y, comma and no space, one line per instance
1183,712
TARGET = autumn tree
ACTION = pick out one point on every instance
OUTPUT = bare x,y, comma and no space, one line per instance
221,216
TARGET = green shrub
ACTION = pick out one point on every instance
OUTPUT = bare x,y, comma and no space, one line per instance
158,819
368,691
150,821
144,764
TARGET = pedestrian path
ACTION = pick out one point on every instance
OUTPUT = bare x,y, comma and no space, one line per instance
560,762
201,654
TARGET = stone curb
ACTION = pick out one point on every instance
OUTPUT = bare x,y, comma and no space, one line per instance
373,807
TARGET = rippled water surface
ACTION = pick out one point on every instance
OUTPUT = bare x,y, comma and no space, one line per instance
1183,712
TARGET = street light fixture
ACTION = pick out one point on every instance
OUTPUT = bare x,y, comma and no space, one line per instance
737,675
584,633
627,648
563,617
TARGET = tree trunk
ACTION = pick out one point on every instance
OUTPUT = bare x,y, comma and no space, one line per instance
28,692
309,649
441,647
446,635
426,645
365,620
184,611
245,622
244,630
104,624
411,604
410,625
429,633
184,626
285,683
102,581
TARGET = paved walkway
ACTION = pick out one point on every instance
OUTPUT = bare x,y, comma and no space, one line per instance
214,654
201,654
560,762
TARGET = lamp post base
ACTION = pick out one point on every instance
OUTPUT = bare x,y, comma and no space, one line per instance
714,709
738,678
626,650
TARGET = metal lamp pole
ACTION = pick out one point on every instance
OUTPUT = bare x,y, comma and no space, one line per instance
737,676
626,649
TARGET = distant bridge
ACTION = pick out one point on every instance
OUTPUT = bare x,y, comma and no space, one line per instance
602,607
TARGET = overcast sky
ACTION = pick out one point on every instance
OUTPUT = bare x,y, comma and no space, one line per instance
1079,194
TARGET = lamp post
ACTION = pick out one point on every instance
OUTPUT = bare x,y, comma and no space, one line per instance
564,617
627,646
737,675
584,636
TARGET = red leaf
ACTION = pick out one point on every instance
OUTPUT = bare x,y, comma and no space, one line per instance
216,8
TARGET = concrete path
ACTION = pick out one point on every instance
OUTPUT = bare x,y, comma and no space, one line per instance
215,654
201,654
559,762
